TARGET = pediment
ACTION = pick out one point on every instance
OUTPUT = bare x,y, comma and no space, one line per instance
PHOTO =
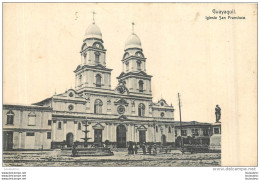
98,126
121,101
71,93
142,128
162,103
122,117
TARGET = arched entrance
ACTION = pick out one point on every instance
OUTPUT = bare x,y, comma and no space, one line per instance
121,136
163,140
69,140
142,137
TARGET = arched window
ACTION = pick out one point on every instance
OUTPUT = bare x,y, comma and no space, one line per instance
98,80
126,55
84,46
31,119
138,65
79,126
141,86
98,106
139,54
98,45
10,117
156,128
59,125
97,54
141,109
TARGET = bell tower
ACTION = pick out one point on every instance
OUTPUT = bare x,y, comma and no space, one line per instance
92,71
134,69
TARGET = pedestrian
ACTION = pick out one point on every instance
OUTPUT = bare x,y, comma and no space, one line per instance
154,149
149,149
74,150
135,148
144,148
130,148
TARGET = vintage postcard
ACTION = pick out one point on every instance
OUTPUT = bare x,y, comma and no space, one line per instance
129,84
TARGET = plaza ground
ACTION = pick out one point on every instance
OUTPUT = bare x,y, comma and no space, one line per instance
120,159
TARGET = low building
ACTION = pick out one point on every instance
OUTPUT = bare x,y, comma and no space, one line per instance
197,130
26,127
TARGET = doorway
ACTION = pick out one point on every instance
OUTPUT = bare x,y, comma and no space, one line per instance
8,140
69,140
121,136
163,140
142,137
98,137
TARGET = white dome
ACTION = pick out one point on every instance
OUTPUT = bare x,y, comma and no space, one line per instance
93,31
133,41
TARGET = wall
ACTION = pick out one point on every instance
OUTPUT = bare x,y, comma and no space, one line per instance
21,126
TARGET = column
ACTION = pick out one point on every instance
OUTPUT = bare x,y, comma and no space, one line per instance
134,134
130,132
127,133
20,139
112,133
64,129
54,130
75,129
109,80
102,79
107,129
76,80
154,131
133,131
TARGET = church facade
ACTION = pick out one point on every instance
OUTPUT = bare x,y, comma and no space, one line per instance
116,116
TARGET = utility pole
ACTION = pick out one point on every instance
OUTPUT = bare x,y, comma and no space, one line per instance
180,120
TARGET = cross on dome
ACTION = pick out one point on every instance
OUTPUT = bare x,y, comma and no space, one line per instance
133,27
93,12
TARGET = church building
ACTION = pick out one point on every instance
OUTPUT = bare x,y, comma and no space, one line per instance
116,116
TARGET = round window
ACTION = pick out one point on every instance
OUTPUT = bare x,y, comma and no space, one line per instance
71,94
71,107
162,114
121,109
161,103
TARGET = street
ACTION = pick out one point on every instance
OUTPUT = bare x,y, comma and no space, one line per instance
120,159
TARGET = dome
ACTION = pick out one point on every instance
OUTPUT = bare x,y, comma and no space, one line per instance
133,41
93,31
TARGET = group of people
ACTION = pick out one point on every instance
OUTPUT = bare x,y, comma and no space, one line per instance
133,148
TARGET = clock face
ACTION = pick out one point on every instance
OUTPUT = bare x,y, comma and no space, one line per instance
97,45
121,109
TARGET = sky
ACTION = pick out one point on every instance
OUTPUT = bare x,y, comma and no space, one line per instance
185,53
